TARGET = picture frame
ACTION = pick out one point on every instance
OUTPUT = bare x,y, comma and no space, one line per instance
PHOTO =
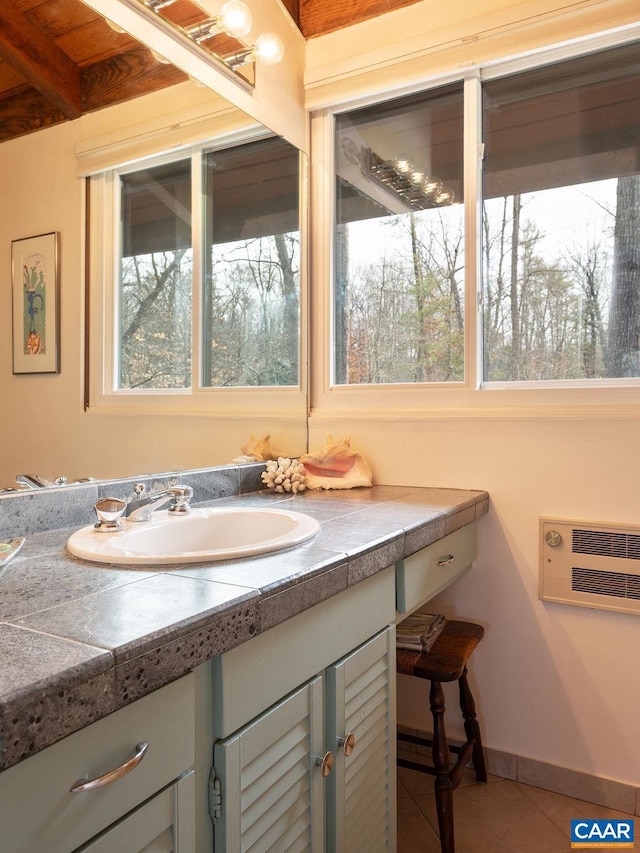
35,291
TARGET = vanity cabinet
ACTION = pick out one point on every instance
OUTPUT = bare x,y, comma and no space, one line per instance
334,664
237,754
138,808
316,771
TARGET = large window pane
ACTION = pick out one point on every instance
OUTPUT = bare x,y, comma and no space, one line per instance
399,293
252,266
155,278
562,220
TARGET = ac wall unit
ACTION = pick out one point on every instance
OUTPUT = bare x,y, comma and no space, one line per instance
590,564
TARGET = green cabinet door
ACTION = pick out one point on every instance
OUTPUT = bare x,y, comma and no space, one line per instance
271,787
361,732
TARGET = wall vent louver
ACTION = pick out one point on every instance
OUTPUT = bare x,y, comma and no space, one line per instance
590,564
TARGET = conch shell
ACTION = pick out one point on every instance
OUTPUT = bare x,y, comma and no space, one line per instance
336,466
257,450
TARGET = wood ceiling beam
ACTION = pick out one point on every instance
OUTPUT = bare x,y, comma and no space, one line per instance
47,68
25,113
128,75
110,81
318,17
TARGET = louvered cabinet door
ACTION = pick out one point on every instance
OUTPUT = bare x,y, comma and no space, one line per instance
272,790
361,807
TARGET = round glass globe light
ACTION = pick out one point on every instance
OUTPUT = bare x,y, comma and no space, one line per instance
269,48
235,18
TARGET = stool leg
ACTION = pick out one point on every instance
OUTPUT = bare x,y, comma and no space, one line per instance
443,786
471,727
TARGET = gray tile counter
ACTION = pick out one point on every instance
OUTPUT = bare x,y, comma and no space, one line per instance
79,640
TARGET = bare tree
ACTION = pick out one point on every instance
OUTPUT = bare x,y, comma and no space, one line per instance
624,317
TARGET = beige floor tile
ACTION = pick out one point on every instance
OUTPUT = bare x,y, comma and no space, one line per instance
422,783
562,810
497,818
402,791
414,832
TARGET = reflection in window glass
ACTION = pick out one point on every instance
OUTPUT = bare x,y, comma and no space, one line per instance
155,278
251,315
561,231
399,293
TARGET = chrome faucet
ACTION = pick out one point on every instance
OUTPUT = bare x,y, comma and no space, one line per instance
35,481
142,509
31,481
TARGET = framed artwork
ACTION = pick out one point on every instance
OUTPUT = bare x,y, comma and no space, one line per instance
35,288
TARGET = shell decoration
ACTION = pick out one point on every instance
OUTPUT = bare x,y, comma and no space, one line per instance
336,466
284,475
256,450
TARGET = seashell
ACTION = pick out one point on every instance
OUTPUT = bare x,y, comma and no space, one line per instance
258,450
336,466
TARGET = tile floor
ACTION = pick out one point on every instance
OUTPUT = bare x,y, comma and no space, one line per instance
499,817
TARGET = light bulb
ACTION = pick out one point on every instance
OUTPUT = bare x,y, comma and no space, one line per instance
234,18
446,196
404,164
268,48
432,187
418,176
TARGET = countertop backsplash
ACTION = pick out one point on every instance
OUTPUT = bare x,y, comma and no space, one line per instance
38,510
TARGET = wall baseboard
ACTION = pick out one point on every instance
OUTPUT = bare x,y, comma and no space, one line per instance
551,777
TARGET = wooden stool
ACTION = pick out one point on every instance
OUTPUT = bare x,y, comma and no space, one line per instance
446,661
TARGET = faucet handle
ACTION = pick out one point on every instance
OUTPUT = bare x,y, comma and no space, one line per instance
181,503
109,512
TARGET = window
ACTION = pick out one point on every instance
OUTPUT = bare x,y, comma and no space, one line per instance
251,311
562,220
156,276
208,271
400,241
556,214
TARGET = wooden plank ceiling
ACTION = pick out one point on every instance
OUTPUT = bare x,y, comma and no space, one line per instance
59,59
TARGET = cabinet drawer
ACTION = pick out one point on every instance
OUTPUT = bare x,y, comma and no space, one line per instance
427,572
37,810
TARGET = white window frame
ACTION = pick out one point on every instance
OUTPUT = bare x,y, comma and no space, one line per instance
472,398
285,402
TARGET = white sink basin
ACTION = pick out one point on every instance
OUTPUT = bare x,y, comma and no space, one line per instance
205,535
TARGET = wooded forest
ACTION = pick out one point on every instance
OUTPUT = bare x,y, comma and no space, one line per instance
573,313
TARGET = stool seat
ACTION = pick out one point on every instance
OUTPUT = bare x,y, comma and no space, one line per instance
446,661
448,656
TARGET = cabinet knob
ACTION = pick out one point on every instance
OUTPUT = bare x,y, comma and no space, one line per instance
347,743
112,775
325,763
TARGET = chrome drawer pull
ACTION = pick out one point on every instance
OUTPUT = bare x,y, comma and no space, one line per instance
446,561
112,775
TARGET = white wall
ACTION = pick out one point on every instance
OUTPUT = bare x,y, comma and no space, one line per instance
557,683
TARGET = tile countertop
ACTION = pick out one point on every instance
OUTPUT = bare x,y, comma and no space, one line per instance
79,640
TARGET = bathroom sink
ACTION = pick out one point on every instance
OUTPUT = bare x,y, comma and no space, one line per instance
205,535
